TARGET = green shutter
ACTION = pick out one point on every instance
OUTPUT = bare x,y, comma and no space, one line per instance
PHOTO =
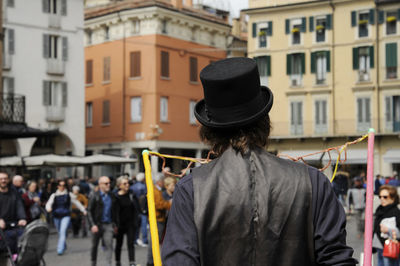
371,56
289,64
398,14
269,28
372,16
328,61
268,65
381,17
303,63
353,18
254,30
313,62
391,55
303,24
355,58
311,22
287,26
328,21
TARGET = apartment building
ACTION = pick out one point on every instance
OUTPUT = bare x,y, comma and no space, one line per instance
332,66
143,60
42,95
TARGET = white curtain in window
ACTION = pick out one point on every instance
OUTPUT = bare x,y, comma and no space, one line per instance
136,109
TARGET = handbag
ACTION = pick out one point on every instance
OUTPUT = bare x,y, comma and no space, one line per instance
391,249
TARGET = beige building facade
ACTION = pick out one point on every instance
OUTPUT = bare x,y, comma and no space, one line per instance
333,69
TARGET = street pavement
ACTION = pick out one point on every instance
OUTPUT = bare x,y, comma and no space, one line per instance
78,252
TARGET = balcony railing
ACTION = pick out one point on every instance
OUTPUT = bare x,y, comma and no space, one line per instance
12,108
54,21
55,66
6,61
55,113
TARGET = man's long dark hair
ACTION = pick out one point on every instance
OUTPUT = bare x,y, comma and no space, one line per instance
241,139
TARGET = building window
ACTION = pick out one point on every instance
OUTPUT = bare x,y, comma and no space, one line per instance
164,109
10,3
296,118
392,113
106,33
135,65
363,60
106,68
391,22
264,68
295,64
164,64
363,114
89,71
55,6
9,41
135,27
55,47
261,30
320,65
192,118
164,26
295,27
54,93
106,112
363,18
320,29
8,85
193,69
136,109
89,114
89,36
321,124
391,60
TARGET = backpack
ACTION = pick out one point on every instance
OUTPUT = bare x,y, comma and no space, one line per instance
143,204
33,243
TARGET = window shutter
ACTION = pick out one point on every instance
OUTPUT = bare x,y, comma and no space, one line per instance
311,22
328,61
64,7
367,110
292,112
391,55
64,94
287,26
360,110
46,45
303,24
371,57
269,32
353,18
317,112
289,64
10,85
10,3
371,16
388,112
254,30
355,58
65,48
164,64
381,17
268,65
303,63
329,21
46,93
313,62
324,118
300,113
398,14
89,71
137,64
45,6
193,69
11,41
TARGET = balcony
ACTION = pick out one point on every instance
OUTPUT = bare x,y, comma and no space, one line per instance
12,108
55,113
55,66
54,21
7,59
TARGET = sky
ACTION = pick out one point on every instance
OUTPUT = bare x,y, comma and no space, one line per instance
234,6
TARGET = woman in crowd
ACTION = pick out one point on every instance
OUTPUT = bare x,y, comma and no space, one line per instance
127,218
59,204
387,222
169,184
76,216
31,198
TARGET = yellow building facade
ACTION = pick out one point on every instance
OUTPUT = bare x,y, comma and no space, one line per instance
333,69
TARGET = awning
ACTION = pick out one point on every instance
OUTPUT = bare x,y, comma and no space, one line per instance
106,159
52,160
299,153
10,161
354,156
392,156
20,130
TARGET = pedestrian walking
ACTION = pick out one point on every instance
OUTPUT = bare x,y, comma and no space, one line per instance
127,220
139,188
59,205
101,219
357,193
247,206
31,201
77,220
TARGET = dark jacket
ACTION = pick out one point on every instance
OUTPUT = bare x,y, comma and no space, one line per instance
382,213
96,206
135,210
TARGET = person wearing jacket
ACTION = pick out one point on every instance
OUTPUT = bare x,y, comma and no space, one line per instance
30,198
247,206
102,219
140,190
126,209
357,195
387,222
59,204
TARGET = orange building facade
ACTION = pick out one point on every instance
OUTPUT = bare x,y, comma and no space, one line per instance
142,78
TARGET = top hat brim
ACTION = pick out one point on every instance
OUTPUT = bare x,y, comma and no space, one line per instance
239,118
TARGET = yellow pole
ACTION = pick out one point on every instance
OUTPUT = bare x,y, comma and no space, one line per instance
152,210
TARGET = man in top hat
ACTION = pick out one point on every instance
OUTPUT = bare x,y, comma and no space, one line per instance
248,207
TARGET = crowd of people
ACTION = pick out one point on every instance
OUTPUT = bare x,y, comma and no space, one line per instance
108,208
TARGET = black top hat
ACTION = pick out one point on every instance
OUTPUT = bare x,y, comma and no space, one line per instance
233,96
